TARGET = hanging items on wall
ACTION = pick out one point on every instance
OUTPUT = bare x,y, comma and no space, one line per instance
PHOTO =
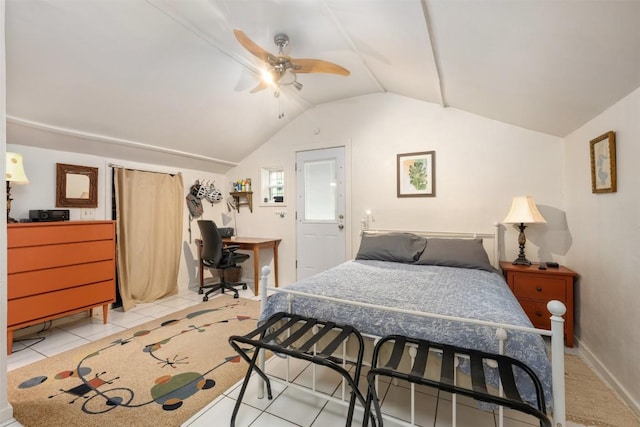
194,204
213,195
198,191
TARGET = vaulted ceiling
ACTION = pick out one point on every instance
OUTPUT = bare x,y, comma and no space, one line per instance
169,75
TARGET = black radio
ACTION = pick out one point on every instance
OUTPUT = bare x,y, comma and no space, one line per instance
49,215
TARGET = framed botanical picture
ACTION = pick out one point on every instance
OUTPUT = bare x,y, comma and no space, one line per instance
417,174
603,163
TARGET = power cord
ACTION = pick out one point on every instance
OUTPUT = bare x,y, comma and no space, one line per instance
45,326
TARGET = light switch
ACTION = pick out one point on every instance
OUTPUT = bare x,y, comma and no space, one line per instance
86,213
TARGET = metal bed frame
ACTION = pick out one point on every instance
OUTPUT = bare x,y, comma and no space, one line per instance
556,308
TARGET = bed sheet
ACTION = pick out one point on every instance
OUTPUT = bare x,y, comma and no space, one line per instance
459,292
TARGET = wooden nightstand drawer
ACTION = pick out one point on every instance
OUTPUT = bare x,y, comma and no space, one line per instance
537,313
534,286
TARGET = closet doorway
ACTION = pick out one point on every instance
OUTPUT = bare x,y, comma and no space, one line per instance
148,208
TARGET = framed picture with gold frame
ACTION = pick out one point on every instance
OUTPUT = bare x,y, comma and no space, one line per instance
603,163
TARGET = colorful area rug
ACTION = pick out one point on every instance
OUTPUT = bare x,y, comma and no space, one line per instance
156,374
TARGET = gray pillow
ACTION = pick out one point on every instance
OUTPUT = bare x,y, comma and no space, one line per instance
463,253
395,247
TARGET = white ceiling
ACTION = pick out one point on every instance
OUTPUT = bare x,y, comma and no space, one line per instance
169,74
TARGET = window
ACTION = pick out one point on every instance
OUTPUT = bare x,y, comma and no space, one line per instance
272,185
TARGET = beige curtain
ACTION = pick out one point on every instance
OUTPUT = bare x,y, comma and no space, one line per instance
149,234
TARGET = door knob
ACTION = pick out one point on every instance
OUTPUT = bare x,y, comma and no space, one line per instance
340,226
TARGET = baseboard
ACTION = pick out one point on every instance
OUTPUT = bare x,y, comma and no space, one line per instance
606,376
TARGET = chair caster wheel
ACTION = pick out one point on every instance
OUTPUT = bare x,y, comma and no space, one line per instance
205,299
200,291
244,286
236,296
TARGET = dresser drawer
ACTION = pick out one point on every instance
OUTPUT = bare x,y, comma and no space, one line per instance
51,256
54,279
38,234
542,288
51,304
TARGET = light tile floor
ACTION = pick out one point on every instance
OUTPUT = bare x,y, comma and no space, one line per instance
288,407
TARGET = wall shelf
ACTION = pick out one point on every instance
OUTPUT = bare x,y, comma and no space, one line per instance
238,197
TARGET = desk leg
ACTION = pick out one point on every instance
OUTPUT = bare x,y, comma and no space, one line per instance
275,261
256,269
201,272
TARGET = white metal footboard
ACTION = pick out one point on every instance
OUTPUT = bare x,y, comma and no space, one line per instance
556,308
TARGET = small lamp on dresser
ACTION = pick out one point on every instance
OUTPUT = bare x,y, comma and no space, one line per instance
523,211
14,173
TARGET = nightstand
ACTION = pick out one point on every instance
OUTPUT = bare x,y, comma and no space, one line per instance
534,288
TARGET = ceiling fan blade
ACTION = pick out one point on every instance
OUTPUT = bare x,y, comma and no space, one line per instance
252,47
261,86
318,66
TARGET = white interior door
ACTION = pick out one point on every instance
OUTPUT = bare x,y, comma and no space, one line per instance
320,210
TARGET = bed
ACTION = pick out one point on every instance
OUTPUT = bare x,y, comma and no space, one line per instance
442,288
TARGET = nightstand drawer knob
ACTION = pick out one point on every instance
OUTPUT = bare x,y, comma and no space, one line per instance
539,313
539,288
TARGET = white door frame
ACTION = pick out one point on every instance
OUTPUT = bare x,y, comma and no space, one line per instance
349,223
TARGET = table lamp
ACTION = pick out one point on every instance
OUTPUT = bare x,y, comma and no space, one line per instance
523,211
14,172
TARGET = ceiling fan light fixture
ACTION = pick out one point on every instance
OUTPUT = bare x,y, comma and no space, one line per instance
282,68
267,77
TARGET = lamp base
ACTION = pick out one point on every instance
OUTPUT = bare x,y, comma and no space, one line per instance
521,261
9,199
522,240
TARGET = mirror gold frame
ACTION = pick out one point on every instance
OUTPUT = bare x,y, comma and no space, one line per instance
76,186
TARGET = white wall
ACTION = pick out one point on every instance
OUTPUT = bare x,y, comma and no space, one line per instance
6,411
480,165
40,167
606,230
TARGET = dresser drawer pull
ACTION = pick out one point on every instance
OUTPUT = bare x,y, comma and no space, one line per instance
539,313
539,288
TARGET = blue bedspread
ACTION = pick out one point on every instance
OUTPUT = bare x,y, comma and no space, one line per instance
459,292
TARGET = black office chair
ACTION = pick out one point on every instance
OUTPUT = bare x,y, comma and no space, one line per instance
217,256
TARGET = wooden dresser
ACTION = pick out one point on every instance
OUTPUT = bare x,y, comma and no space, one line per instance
534,288
55,269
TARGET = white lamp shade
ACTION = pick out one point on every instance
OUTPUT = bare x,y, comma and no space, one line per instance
523,210
15,169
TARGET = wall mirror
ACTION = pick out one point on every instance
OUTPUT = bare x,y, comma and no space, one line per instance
76,186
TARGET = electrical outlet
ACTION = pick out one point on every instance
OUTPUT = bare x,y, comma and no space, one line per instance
86,213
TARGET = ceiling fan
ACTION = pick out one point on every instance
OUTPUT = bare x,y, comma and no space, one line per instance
283,69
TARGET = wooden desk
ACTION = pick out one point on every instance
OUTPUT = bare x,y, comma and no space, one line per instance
248,244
